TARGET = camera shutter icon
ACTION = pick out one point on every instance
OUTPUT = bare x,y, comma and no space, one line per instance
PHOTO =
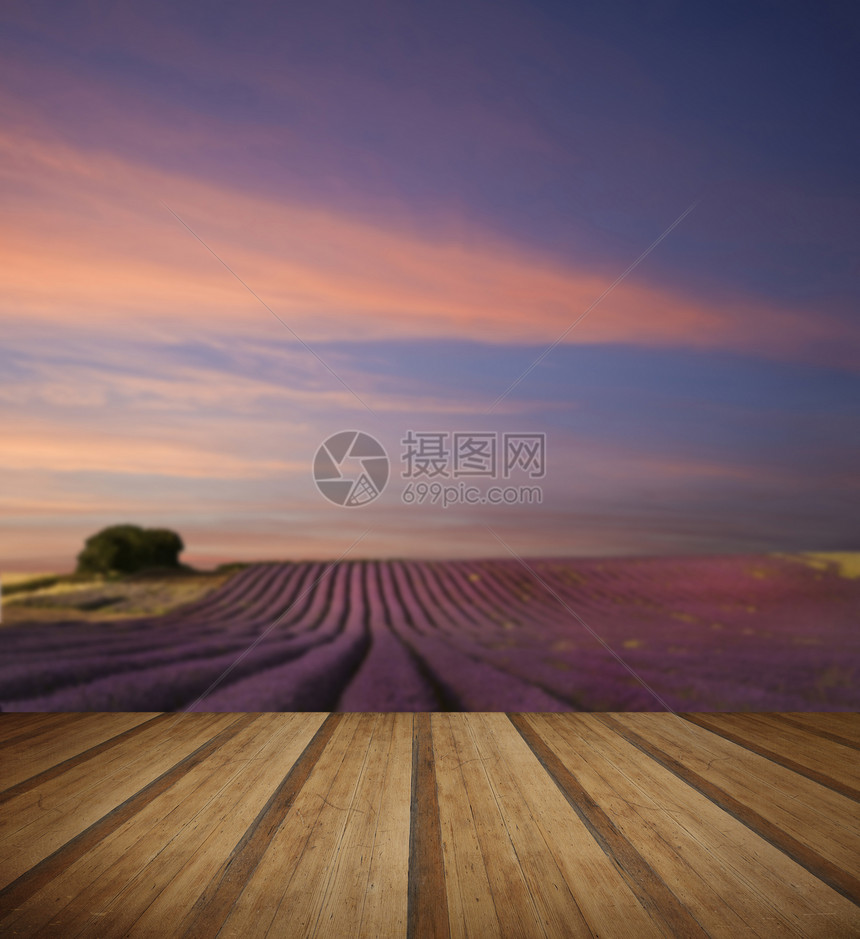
351,468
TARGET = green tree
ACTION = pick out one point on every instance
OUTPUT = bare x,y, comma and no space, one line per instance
164,547
128,548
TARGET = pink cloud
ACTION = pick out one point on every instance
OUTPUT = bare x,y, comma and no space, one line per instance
77,448
87,239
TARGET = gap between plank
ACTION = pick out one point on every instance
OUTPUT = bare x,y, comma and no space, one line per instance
22,888
52,772
651,890
427,910
213,906
831,874
736,736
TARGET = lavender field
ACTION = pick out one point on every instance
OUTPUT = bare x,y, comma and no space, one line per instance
695,634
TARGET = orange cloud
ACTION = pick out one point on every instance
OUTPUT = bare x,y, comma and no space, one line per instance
78,449
87,240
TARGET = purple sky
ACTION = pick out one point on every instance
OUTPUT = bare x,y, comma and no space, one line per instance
429,195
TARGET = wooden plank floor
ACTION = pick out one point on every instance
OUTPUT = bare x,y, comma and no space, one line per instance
430,825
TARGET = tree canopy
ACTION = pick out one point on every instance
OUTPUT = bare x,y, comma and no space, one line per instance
128,548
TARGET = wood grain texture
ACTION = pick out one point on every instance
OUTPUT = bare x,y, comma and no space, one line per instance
428,899
40,843
77,758
218,899
653,893
36,725
426,825
806,821
840,728
824,761
25,759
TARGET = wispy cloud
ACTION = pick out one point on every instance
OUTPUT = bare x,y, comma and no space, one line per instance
90,239
76,450
428,216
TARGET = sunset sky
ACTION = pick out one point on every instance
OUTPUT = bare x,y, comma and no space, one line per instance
428,195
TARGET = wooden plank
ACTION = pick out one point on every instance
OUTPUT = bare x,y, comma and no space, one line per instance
427,896
14,725
20,726
37,822
734,882
28,758
341,903
514,905
659,841
662,904
182,872
471,908
558,825
800,817
344,903
840,728
824,761
77,899
39,779
212,907
305,833
315,853
386,902
521,791
110,813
